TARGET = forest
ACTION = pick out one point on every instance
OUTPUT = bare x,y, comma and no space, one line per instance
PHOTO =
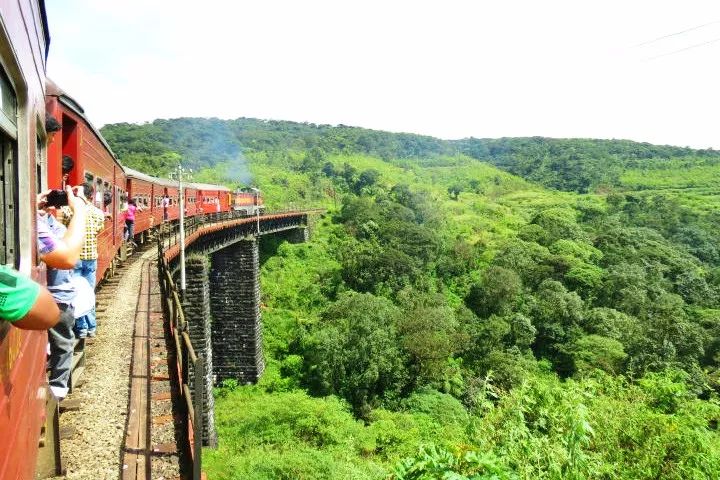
513,308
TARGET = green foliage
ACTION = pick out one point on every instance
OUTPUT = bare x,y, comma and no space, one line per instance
354,352
594,351
429,333
480,325
441,407
495,293
433,462
287,435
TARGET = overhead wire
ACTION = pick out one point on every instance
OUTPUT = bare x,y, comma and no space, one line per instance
697,27
714,40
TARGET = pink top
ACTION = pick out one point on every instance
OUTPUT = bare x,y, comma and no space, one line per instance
130,213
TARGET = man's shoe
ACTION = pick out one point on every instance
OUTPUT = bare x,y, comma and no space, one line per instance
59,392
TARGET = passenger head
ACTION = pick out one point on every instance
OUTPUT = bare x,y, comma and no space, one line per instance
131,201
107,199
88,190
52,126
67,165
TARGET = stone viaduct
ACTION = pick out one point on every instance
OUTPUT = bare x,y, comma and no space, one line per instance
221,301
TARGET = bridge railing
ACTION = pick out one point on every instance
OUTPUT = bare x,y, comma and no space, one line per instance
186,359
169,233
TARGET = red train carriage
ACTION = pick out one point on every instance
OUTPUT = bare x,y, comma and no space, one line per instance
248,203
212,198
170,188
148,195
24,41
94,162
191,205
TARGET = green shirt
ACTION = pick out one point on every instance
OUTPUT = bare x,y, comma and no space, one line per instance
17,294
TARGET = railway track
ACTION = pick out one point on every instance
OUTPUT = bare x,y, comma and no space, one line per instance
119,421
153,426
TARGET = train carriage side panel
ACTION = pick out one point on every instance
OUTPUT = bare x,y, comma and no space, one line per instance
141,191
157,210
224,199
190,196
94,162
174,208
23,45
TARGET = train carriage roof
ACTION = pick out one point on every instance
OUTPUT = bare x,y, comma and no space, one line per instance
53,90
132,173
207,186
165,182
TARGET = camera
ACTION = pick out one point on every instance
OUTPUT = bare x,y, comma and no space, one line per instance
57,198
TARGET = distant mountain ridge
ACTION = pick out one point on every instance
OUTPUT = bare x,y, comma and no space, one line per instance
580,165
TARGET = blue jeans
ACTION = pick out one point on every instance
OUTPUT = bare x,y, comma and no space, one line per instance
86,269
130,230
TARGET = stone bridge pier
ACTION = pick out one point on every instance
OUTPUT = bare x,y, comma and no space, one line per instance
235,311
222,307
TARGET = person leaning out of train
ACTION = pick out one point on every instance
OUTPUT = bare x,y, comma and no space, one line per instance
25,303
52,126
59,247
130,210
107,204
67,165
86,267
165,206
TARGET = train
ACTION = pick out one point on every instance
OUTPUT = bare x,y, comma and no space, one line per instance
32,163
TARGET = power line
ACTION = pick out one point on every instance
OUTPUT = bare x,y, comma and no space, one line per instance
676,33
686,48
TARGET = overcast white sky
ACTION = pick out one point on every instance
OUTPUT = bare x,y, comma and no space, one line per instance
447,68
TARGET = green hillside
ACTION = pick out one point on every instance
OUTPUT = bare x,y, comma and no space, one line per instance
581,165
466,309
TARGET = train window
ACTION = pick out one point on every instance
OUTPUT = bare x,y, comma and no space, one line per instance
39,155
97,201
8,173
8,108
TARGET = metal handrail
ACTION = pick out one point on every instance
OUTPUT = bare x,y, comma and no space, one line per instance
170,232
186,358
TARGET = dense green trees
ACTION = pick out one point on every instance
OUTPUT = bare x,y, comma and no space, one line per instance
354,352
449,320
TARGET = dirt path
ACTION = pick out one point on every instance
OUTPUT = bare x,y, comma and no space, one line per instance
93,450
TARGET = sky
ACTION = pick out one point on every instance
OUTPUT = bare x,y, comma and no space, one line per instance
639,70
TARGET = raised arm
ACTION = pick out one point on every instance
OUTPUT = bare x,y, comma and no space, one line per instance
64,253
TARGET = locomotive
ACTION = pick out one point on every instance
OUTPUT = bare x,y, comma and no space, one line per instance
31,164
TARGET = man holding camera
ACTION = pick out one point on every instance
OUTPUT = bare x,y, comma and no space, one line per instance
59,248
86,267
